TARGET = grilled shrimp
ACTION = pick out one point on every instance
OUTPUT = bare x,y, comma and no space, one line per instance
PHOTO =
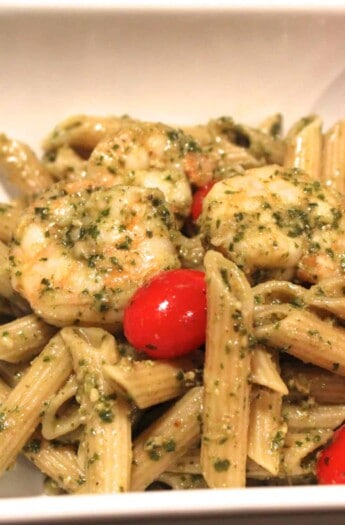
146,146
80,252
281,223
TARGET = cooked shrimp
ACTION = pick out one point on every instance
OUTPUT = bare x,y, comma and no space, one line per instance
173,184
80,252
277,221
146,146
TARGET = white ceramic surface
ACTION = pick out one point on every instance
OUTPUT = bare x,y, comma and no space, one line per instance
179,65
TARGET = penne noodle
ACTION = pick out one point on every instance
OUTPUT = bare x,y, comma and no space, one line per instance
189,463
107,445
333,157
167,439
182,481
6,289
55,425
266,429
83,132
21,412
22,339
151,382
272,125
227,367
264,371
321,385
59,463
299,446
304,147
305,336
20,166
323,416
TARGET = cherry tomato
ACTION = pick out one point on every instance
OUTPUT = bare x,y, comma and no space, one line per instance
330,468
198,198
167,317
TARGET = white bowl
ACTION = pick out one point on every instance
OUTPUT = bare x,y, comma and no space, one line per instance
179,64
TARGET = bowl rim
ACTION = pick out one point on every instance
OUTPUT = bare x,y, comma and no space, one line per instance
179,5
143,505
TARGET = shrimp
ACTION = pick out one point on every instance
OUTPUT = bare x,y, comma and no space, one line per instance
146,146
277,223
173,184
80,252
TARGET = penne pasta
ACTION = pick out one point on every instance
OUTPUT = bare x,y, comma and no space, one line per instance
20,166
227,367
267,431
310,381
22,339
333,157
306,418
21,412
167,439
107,439
151,382
55,423
305,336
304,146
264,371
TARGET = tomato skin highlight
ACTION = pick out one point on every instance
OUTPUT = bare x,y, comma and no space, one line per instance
330,467
167,317
198,199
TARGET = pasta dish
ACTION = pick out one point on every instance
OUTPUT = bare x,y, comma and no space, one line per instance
172,305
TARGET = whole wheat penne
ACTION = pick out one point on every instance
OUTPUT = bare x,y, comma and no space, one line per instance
312,381
59,463
272,125
322,416
226,373
305,336
83,132
304,146
21,167
23,338
189,463
20,413
107,440
299,445
56,424
327,296
266,429
151,382
167,439
333,157
178,481
6,289
108,445
264,371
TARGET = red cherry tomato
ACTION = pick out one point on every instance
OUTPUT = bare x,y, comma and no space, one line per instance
167,317
198,199
330,468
